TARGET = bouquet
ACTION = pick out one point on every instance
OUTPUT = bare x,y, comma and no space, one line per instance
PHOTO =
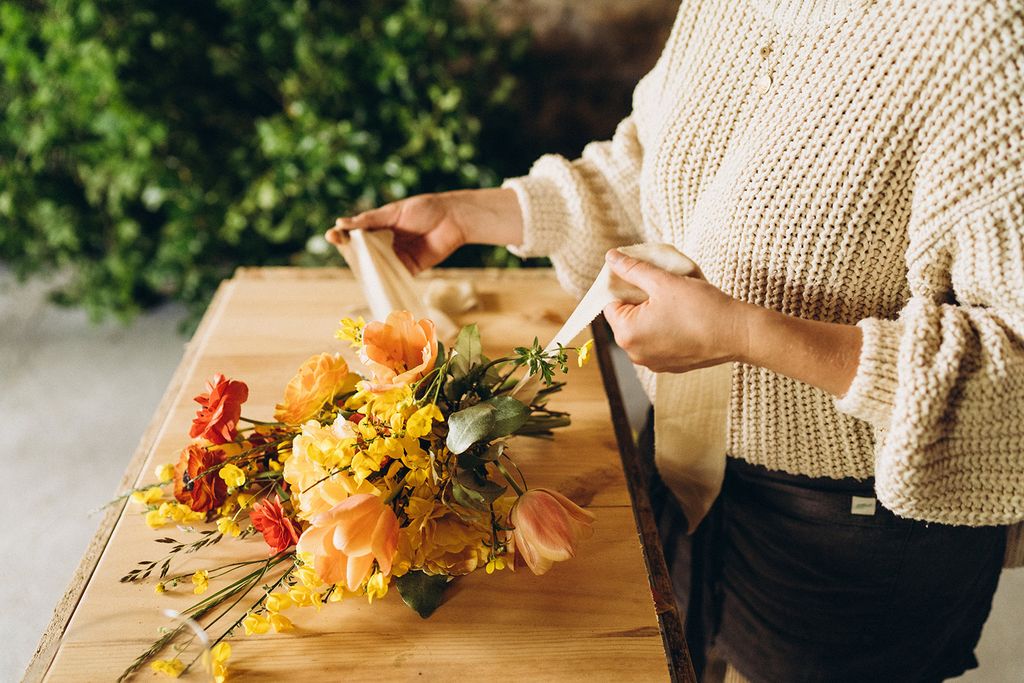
399,475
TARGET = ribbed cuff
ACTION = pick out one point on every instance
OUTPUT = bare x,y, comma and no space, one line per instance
545,215
872,393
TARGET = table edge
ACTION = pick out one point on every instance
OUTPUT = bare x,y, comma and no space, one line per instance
49,642
638,474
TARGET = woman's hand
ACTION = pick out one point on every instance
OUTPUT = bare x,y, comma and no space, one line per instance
687,323
429,227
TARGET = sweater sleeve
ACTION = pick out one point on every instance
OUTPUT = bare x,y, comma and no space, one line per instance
943,384
574,211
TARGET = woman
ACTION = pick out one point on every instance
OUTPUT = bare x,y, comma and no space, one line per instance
848,176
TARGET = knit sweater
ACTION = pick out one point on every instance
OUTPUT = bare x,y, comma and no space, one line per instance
851,162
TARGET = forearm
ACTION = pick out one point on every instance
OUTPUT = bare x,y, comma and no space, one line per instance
490,216
824,355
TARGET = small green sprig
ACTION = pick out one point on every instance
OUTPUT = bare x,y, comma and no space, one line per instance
538,361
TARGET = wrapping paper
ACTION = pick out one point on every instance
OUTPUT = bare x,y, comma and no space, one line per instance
690,409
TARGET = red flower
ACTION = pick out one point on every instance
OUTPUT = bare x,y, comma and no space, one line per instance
269,519
221,406
201,493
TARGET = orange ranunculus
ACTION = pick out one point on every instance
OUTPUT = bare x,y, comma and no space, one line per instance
345,540
318,381
399,350
547,528
220,407
201,493
270,520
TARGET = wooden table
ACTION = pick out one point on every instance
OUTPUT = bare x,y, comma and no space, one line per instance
592,618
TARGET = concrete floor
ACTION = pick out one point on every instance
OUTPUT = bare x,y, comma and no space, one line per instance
74,401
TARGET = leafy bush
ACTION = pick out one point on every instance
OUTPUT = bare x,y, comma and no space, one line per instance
148,147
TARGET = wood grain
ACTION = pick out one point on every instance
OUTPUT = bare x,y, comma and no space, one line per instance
591,618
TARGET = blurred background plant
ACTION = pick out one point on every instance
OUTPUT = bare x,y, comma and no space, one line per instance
149,147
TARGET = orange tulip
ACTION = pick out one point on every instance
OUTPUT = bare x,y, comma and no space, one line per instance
319,380
548,527
399,351
345,540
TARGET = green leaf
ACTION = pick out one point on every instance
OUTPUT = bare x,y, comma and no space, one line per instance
467,350
488,490
469,498
469,425
509,415
422,592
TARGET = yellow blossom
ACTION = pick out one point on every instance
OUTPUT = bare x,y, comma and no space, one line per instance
245,500
278,601
155,520
201,580
147,496
168,667
256,624
159,588
281,623
308,576
228,526
376,587
419,425
495,564
216,661
233,475
583,353
351,331
304,596
164,473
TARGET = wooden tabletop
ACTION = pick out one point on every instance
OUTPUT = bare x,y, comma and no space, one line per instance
592,618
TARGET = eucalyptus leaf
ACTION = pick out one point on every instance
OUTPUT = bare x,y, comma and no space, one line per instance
467,351
509,415
487,489
422,592
469,498
469,425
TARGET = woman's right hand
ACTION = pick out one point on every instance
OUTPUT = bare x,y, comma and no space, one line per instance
429,227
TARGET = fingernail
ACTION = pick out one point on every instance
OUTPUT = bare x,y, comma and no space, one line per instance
613,256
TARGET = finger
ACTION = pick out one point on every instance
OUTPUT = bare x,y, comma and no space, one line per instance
634,271
382,217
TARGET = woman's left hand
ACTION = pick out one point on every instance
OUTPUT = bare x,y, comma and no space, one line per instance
685,324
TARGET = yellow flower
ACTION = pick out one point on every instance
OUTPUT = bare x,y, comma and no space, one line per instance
216,661
312,470
245,500
281,623
155,520
278,601
308,576
420,423
150,495
376,587
495,564
256,624
304,596
583,353
232,475
168,667
164,473
228,526
351,331
201,580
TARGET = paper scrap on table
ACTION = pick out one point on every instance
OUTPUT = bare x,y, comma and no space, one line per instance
690,409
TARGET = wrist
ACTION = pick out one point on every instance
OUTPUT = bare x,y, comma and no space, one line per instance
488,216
745,324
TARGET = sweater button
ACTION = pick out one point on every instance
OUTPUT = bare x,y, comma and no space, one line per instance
763,83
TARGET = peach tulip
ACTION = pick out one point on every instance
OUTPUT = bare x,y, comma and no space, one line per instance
345,540
548,527
399,350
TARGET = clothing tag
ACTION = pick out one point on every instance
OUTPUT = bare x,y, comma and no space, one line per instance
862,506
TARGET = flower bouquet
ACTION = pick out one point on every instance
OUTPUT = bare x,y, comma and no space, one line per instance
401,474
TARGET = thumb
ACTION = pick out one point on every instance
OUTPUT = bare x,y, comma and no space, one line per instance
634,271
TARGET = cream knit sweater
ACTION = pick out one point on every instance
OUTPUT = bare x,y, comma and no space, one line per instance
855,162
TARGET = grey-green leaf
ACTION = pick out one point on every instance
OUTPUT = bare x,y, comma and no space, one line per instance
469,425
467,351
422,592
509,415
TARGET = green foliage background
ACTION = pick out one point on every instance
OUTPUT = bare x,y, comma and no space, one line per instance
147,147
